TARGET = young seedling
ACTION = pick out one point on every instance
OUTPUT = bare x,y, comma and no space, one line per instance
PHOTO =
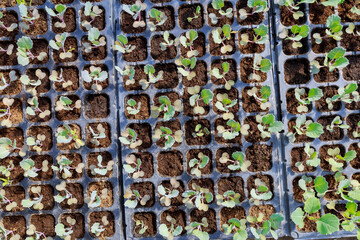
28,15
129,137
128,71
95,76
36,142
24,54
260,37
166,194
6,112
260,64
64,167
133,166
167,108
99,168
171,231
263,227
35,235
59,45
187,42
170,137
70,199
135,11
196,164
333,3
95,40
28,165
133,107
224,104
141,226
33,108
7,234
62,232
228,199
237,162
55,77
12,26
354,9
305,127
293,7
64,103
4,201
197,97
6,170
32,84
336,122
196,14
4,83
134,198
312,159
94,137
97,229
337,161
60,11
91,11
237,226
168,42
160,18
7,146
267,125
262,97
220,35
153,78
185,67
296,34
313,95
94,200
344,95
334,29
230,131
218,5
257,6
225,69
65,135
200,197
200,131
356,132
34,202
196,229
260,193
333,60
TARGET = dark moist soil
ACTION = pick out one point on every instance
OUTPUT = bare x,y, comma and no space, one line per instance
15,86
198,44
8,3
69,114
146,164
43,175
246,69
79,228
286,16
267,179
331,194
108,201
267,210
289,50
144,112
228,213
339,209
69,74
177,201
292,103
221,140
97,106
337,134
215,49
222,20
176,214
235,184
250,47
327,44
193,153
172,96
260,156
97,53
44,104
325,75
233,94
103,142
16,194
43,130
201,75
17,173
44,223
45,85
8,60
39,26
156,53
76,160
77,191
324,156
144,188
230,75
47,191
190,126
188,110
71,145
351,41
170,163
298,154
310,225
9,17
298,138
169,24
196,216
319,13
206,183
143,131
139,75
140,51
254,133
127,22
297,191
97,217
173,125
98,22
254,19
16,116
13,134
104,84
352,120
223,167
297,71
188,10
92,160
17,224
63,1
344,11
170,75
70,43
328,92
355,163
352,71
69,19
249,103
40,45
149,220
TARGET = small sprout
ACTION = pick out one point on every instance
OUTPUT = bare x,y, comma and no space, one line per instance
187,41
153,78
356,132
262,97
6,112
312,159
167,108
55,77
9,49
267,125
28,15
260,37
36,235
141,226
337,161
97,229
134,198
159,16
259,6
94,76
95,40
36,142
133,166
344,95
260,64
133,107
168,43
200,131
224,104
334,29
4,83
64,167
6,170
196,14
135,11
8,234
62,232
260,193
36,201
65,135
171,138
225,69
170,232
354,9
313,187
313,95
262,227
129,137
166,194
91,11
94,201
7,146
230,131
333,60
197,97
10,28
351,30
8,203
122,45
228,199
336,122
218,5
196,164
95,136
59,45
296,34
185,67
99,168
64,103
237,226
28,165
237,162
220,35
196,229
60,11
127,71
305,127
293,7
32,84
24,54
200,197
33,108
68,196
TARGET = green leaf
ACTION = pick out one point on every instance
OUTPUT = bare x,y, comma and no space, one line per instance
312,205
327,224
276,127
25,42
350,88
268,119
314,130
275,220
265,91
265,65
336,53
226,30
217,4
206,95
320,184
315,94
60,8
355,194
262,30
298,217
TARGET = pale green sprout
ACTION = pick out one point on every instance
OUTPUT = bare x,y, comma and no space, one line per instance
230,131
12,26
260,64
337,161
6,112
312,158
169,109
8,234
28,165
149,70
65,135
260,231
296,34
60,11
220,35
336,122
225,69
228,199
198,163
334,29
133,107
168,42
36,142
59,45
95,41
36,201
99,168
6,170
24,54
239,226
196,229
261,36
127,71
200,131
70,199
160,18
347,95
35,235
267,125
313,95
143,227
8,50
185,67
95,136
260,193
135,11
199,197
62,232
218,5
187,41
166,194
7,146
133,166
91,11
170,137
351,30
293,7
305,127
129,138
122,44
196,14
64,103
197,96
237,162
32,84
34,109
333,60
4,201
56,77
134,198
28,15
97,229
95,75
172,231
64,167
256,6
224,104
261,97
4,83
94,201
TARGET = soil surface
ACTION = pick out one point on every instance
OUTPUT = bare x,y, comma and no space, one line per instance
170,163
149,220
188,11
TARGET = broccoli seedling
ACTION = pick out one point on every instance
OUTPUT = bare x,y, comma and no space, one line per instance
134,198
260,64
198,163
91,11
64,167
7,146
141,226
220,35
196,14
94,137
35,235
59,45
128,71
6,112
168,42
230,131
34,109
334,29
305,127
4,83
225,69
62,232
55,77
34,202
261,227
133,166
237,162
171,231
197,97
260,193
95,40
344,95
10,28
228,199
170,137
95,75
24,54
133,107
166,194
337,161
8,234
36,142
99,168
129,137
28,165
64,103
196,229
60,11
199,197
167,108
260,37
8,50
135,11
224,104
237,226
256,6
185,67
97,229
94,200
70,199
187,41
218,5
6,170
159,17
65,135
336,122
293,7
200,131
296,34
333,60
149,70
267,125
313,95
312,159
262,97
28,15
